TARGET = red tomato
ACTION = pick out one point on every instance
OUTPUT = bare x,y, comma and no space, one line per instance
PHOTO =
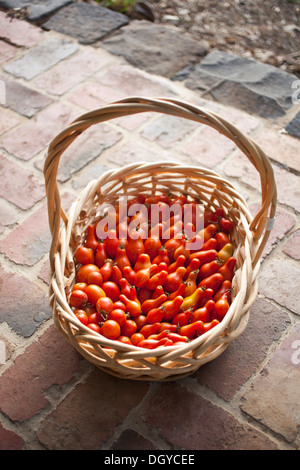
79,286
84,255
94,293
100,255
91,240
95,278
111,290
119,305
124,339
129,328
82,316
78,298
84,271
106,269
94,327
118,315
111,243
104,305
212,282
136,338
152,246
110,329
96,318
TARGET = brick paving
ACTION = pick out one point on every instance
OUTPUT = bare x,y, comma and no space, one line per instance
52,398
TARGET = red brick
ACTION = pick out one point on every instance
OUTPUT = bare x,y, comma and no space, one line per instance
9,440
72,71
273,398
7,52
8,215
18,32
30,241
279,147
284,222
48,361
292,246
31,103
35,136
229,372
19,185
208,147
279,281
188,421
91,95
288,184
7,121
127,80
24,306
87,417
132,440
168,130
136,151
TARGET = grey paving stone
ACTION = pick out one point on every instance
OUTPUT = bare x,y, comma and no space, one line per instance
36,9
85,22
155,48
41,58
257,88
22,99
293,127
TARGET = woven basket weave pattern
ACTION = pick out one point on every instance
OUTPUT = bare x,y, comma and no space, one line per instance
249,237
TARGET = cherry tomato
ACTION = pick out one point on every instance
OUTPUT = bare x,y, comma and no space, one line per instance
104,306
82,316
84,271
95,277
140,321
118,315
94,293
79,286
136,338
94,327
111,329
124,339
226,224
84,255
111,290
78,298
119,305
129,328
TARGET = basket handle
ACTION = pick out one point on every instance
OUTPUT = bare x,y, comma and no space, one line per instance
262,221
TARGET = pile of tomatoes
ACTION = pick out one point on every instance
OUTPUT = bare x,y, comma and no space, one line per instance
150,290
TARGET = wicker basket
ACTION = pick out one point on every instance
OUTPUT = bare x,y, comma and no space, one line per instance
249,238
